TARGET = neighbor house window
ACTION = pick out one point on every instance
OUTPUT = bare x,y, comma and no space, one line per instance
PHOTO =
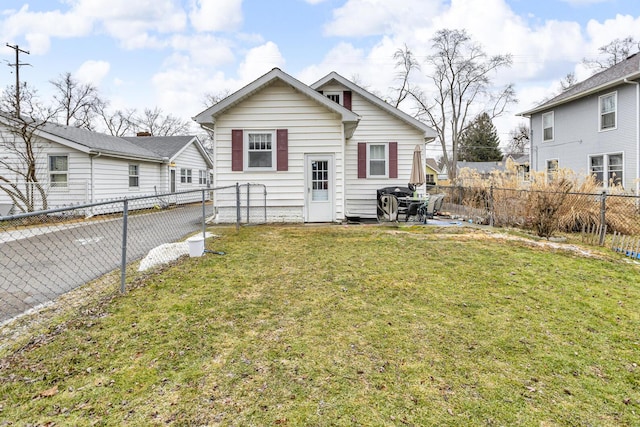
59,171
607,169
430,178
377,162
134,176
547,126
596,167
552,169
614,169
202,177
185,176
260,150
608,107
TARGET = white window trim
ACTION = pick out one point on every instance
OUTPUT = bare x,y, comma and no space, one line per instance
386,160
202,177
245,154
546,167
50,172
615,97
335,93
188,176
605,166
131,187
553,126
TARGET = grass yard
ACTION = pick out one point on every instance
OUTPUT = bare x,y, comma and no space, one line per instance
348,326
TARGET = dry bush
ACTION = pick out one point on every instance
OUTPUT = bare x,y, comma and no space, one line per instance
569,203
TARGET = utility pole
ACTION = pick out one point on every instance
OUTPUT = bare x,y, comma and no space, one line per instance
18,65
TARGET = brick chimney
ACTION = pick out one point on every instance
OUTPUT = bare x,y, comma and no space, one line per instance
144,133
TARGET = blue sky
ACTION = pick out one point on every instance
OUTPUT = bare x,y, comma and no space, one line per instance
169,53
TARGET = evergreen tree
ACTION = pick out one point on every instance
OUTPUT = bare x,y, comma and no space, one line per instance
480,142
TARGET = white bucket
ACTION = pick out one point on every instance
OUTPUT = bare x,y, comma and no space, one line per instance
196,246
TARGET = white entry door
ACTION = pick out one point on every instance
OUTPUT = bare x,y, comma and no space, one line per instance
320,188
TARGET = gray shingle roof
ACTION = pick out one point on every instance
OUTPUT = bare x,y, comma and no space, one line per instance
615,75
165,146
96,141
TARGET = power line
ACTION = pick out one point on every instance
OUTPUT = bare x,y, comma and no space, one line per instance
18,65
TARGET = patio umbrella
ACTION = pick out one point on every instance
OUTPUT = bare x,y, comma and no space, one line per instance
417,169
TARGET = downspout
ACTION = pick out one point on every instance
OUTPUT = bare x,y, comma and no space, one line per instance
637,133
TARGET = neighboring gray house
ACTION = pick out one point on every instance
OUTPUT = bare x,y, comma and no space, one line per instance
78,166
593,127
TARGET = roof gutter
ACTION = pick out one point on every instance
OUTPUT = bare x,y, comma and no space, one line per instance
637,85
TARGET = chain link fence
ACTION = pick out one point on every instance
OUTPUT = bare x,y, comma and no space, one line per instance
544,212
49,255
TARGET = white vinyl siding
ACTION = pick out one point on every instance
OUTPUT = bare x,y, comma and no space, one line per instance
608,106
312,128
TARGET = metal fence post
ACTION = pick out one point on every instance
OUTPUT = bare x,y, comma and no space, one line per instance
265,203
603,217
491,211
123,265
248,202
237,206
204,214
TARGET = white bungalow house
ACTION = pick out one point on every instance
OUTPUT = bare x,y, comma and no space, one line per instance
78,166
322,151
593,127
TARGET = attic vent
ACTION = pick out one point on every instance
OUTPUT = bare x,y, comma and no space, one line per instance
145,133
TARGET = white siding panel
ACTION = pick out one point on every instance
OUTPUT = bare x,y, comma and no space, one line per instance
312,128
377,125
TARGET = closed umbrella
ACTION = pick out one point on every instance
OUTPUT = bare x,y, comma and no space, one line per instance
417,170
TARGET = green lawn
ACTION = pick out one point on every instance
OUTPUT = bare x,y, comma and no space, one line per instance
348,325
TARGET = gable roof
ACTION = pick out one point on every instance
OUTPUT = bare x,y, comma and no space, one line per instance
169,146
207,117
433,164
152,149
618,74
94,142
429,133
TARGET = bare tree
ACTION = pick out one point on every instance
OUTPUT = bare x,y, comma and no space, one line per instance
615,51
461,74
117,123
406,62
518,140
158,124
21,157
212,98
78,104
568,81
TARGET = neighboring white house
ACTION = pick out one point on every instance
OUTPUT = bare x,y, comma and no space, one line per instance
593,127
322,151
78,166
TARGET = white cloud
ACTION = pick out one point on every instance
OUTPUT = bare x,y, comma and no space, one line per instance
92,72
259,61
216,15
39,27
205,49
373,17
